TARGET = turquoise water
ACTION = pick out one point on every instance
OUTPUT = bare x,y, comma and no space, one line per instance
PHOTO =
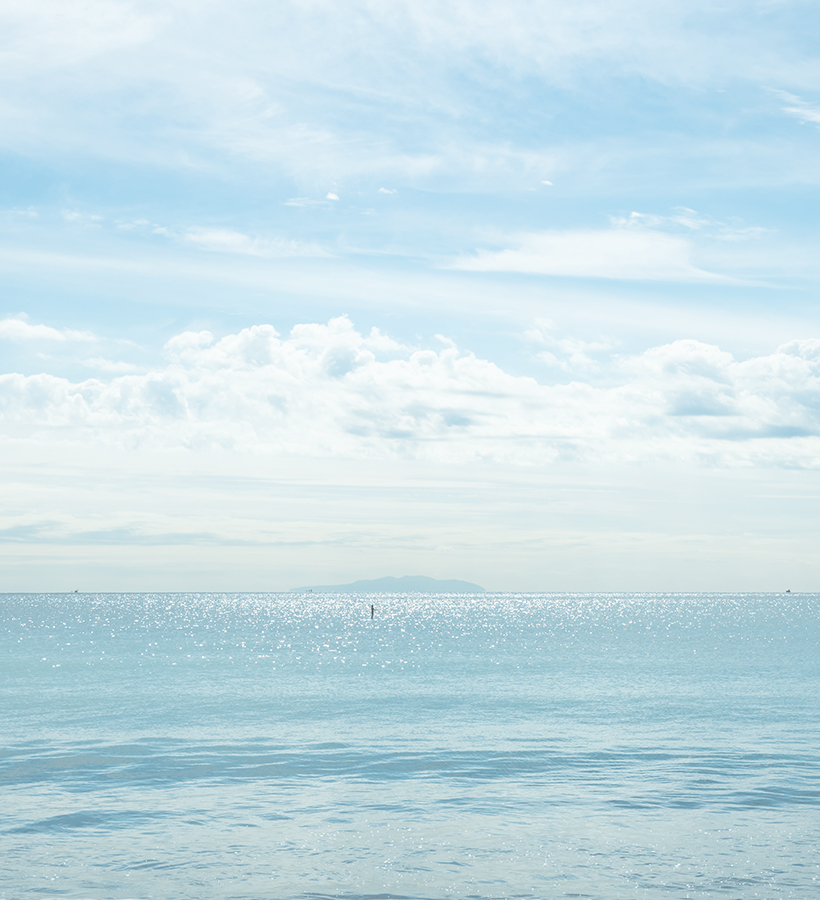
490,746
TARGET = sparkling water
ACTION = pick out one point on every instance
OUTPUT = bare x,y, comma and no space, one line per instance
256,746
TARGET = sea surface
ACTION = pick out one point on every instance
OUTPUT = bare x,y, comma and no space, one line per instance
277,746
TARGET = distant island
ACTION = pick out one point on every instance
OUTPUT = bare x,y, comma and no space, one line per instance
406,584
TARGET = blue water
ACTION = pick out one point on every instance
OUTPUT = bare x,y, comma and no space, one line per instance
490,746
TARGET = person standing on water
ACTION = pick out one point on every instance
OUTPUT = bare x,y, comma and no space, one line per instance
372,610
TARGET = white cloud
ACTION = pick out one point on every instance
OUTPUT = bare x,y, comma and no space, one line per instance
656,39
21,330
800,109
691,220
330,391
109,365
332,196
16,214
225,240
144,225
57,33
567,353
255,85
81,218
638,254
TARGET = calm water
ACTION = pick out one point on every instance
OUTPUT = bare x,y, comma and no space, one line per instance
492,746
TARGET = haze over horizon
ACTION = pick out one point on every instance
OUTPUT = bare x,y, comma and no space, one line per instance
520,294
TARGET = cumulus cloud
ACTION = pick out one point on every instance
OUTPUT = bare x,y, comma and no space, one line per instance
637,254
329,390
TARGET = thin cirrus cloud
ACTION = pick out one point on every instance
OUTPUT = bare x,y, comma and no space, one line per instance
657,39
217,82
226,240
636,254
109,365
800,109
19,330
332,391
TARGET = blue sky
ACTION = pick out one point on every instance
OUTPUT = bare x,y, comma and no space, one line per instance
306,292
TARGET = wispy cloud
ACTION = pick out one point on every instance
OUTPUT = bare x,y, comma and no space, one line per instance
618,253
81,218
110,365
684,220
569,354
22,330
800,109
305,201
285,84
225,240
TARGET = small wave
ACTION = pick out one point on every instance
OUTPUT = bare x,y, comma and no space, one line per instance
87,819
625,778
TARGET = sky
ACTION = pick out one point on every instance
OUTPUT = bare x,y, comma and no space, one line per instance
524,294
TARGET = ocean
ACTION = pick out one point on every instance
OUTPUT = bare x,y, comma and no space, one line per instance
279,746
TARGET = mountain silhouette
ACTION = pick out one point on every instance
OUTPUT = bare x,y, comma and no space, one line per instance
391,585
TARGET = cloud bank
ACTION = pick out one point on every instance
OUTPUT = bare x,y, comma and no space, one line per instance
331,391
